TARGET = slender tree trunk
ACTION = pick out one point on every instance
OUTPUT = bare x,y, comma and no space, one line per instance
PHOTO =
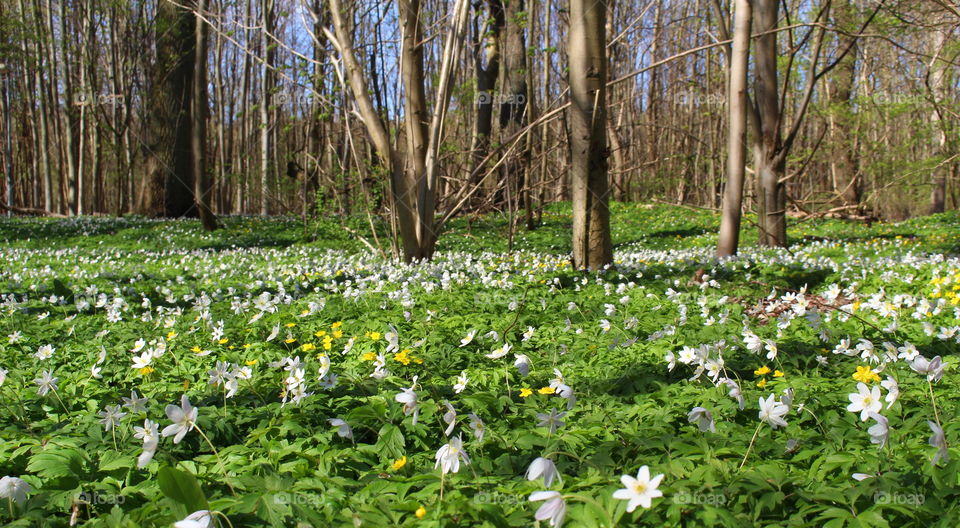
513,106
588,143
415,99
266,92
486,51
769,164
404,212
937,71
729,238
203,188
71,120
7,138
223,117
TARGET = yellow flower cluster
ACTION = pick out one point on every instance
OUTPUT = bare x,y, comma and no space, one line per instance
405,358
763,371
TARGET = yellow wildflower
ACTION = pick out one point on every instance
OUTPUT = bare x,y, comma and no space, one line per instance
336,325
223,341
399,463
402,357
762,383
865,375
291,325
547,390
421,512
307,347
524,392
369,356
250,362
320,333
777,373
762,371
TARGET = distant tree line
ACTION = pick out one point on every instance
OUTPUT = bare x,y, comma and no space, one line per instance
416,111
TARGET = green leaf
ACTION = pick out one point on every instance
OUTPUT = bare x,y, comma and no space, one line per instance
391,442
182,487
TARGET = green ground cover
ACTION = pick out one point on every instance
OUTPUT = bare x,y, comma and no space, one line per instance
288,376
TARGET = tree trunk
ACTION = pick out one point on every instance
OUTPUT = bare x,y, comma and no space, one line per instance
168,185
404,212
935,78
769,165
586,51
415,99
203,188
739,58
266,92
486,49
513,104
71,120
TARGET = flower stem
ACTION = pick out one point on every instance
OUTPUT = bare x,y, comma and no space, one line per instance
223,469
749,447
221,514
933,400
65,411
506,377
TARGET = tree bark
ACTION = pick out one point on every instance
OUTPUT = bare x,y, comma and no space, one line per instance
203,188
404,212
266,93
486,50
729,238
936,77
586,51
514,113
769,164
168,185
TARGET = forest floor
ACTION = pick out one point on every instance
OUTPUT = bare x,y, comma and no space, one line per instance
287,376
